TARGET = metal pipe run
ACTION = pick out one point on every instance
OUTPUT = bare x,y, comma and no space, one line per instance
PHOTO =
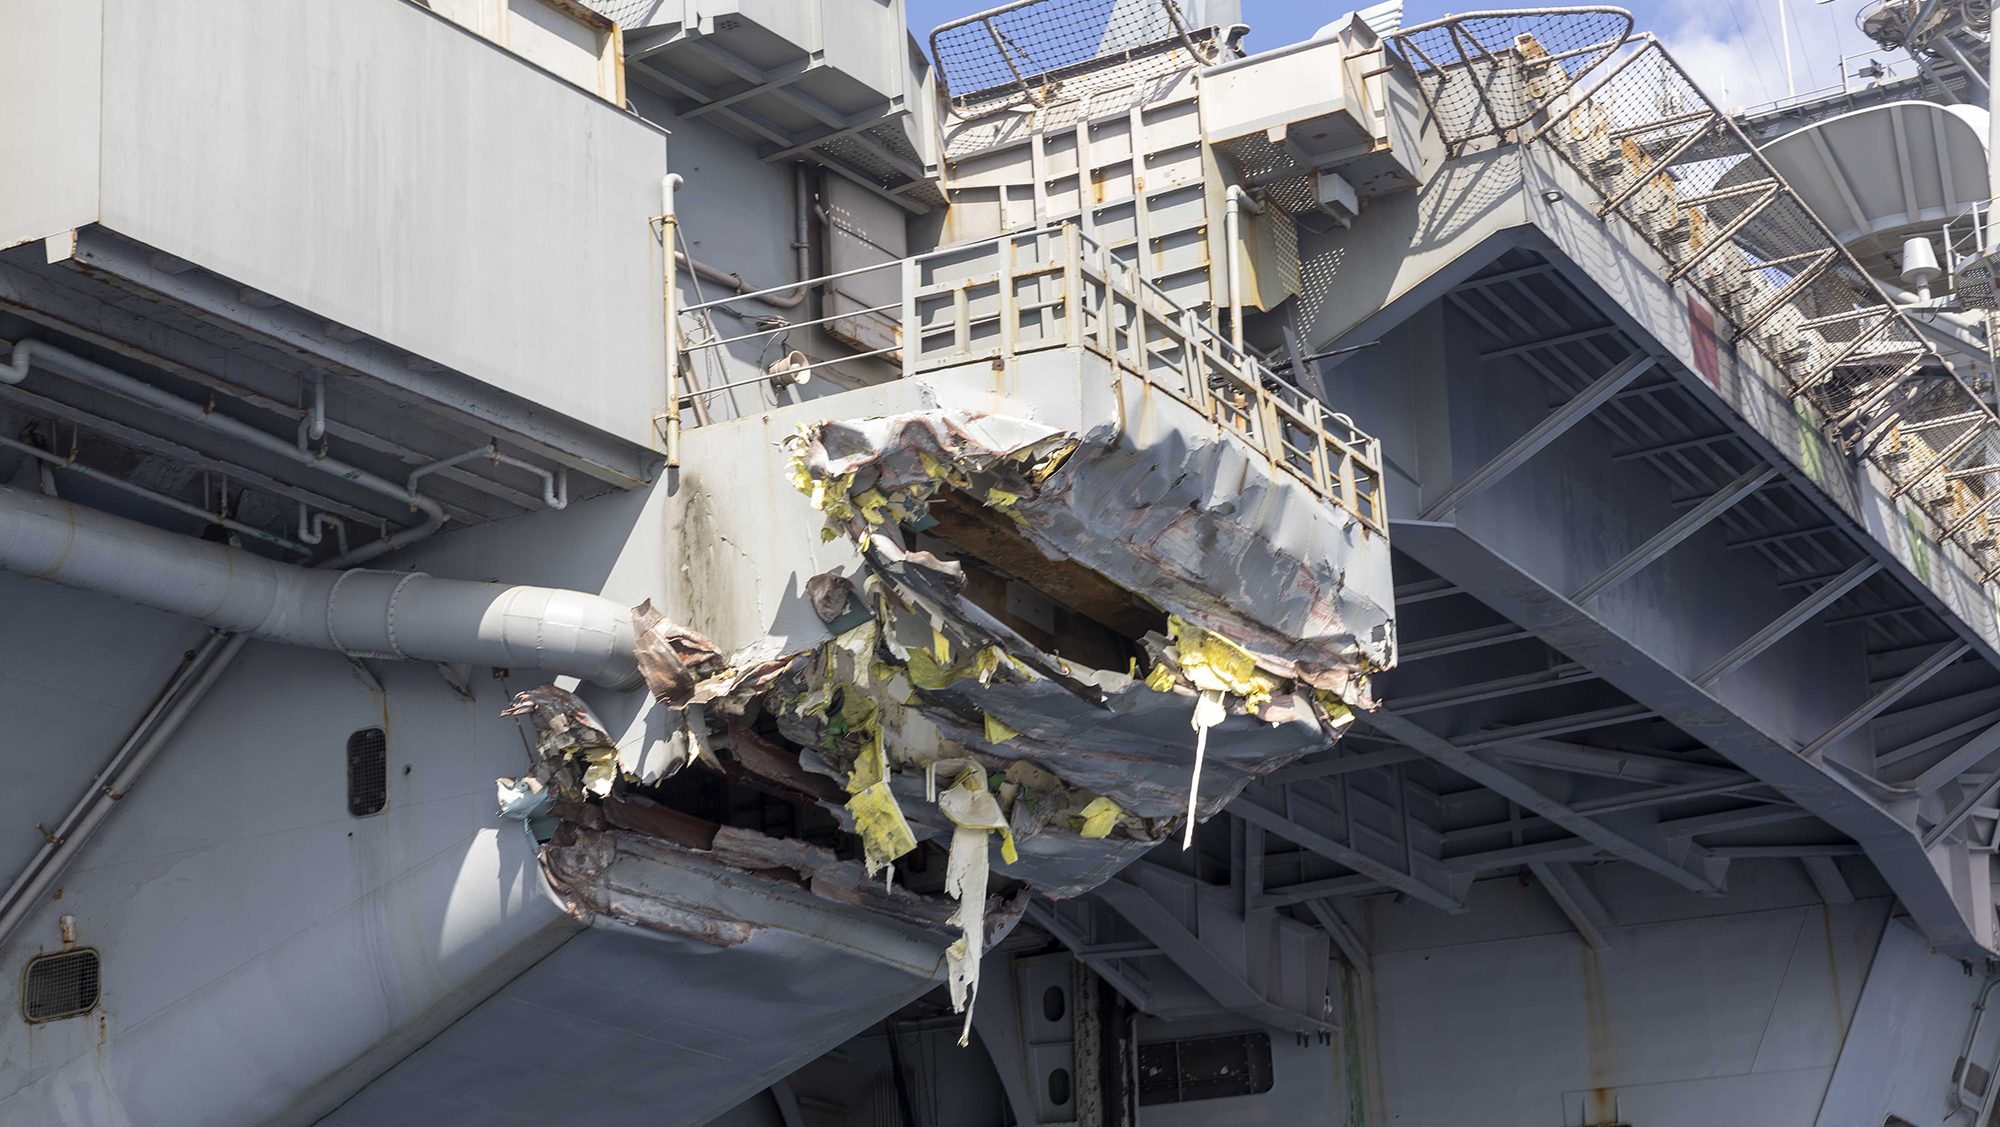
61,845
37,354
49,458
1236,199
801,255
670,318
360,613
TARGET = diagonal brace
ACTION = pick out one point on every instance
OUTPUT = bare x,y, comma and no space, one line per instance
1691,522
1542,434
1511,786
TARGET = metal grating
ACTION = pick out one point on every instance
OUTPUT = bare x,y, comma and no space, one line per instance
64,984
1043,50
367,772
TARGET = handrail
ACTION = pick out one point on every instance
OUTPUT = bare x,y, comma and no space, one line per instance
1667,161
1056,287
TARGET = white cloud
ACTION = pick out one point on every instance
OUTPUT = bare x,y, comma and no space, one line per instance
1733,46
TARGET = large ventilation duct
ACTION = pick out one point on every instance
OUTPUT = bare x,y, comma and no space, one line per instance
358,612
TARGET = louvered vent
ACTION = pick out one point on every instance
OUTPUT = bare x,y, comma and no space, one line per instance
367,772
61,985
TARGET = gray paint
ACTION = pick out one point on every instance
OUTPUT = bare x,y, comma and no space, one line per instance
477,173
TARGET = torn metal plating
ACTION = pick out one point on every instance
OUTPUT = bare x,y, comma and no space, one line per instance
924,717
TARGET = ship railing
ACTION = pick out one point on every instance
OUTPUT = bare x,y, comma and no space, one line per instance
1971,252
1035,52
1662,157
1057,288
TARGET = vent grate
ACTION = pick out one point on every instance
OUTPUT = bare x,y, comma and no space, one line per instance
61,985
367,772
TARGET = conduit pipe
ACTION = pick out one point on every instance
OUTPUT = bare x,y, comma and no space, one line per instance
1236,199
801,253
361,613
61,845
49,458
34,353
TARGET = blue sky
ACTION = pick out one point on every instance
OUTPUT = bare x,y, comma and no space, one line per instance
1728,45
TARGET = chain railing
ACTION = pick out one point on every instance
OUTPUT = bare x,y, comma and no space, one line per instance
1666,160
1055,288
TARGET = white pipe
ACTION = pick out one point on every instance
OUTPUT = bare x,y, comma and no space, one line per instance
54,857
316,424
356,612
801,255
1235,200
313,526
29,353
49,458
670,226
555,486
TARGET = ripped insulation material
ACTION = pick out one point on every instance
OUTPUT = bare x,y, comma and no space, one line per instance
923,717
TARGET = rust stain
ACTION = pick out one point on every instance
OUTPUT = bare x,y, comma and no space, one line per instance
1097,176
1603,1099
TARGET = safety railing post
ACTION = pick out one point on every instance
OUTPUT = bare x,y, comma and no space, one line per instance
1107,308
1319,445
1072,284
1009,314
912,333
1348,494
1139,364
1192,382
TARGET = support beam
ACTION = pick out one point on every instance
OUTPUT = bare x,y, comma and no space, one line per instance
1924,745
1975,797
1871,821
1542,434
1564,674
1343,935
1497,778
1782,626
1586,913
1664,541
1722,821
1825,874
1186,951
1135,992
1658,796
1968,755
1896,690
1553,726
1785,852
1339,852
1353,884
1476,639
1338,764
1610,763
